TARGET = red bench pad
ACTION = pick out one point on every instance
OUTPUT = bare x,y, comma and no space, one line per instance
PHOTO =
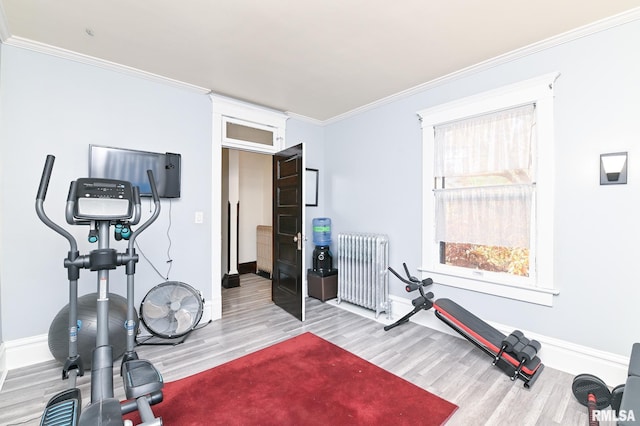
481,332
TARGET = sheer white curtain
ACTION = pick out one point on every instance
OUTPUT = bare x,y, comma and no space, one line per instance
485,174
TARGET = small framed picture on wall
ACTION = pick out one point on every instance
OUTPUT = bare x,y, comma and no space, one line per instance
311,180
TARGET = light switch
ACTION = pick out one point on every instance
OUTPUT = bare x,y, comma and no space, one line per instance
199,217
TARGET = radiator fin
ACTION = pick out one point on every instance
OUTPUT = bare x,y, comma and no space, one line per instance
362,270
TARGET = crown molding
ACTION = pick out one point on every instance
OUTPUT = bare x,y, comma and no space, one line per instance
602,25
305,118
100,63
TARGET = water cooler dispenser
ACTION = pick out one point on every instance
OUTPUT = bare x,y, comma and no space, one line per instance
322,278
322,260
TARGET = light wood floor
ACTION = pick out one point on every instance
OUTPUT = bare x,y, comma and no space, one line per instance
443,365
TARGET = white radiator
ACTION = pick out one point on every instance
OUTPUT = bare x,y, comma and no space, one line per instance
264,249
362,271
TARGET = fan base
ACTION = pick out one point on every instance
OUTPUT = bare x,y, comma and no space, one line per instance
160,341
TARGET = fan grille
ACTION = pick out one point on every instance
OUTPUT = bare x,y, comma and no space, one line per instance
171,309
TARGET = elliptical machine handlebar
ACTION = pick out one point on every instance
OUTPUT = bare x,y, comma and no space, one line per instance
40,197
156,211
46,176
154,189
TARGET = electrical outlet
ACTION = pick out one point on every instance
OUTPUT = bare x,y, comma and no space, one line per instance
199,217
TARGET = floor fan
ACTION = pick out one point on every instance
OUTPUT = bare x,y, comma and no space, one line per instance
170,311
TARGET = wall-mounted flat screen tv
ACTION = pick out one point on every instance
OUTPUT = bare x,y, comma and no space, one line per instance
131,165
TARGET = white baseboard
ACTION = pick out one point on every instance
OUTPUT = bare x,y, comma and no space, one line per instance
27,351
207,312
559,354
555,353
32,350
3,365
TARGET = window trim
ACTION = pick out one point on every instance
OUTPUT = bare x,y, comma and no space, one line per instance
539,91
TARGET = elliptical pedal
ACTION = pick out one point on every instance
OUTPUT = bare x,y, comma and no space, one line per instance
63,409
140,378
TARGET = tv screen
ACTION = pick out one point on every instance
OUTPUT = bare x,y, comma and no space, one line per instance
131,165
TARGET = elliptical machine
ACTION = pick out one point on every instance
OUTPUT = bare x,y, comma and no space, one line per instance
100,204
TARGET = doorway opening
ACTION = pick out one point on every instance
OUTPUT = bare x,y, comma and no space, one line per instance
247,197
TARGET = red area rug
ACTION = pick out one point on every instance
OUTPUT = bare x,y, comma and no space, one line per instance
302,381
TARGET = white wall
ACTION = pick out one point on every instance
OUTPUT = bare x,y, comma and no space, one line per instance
55,106
373,183
311,135
255,201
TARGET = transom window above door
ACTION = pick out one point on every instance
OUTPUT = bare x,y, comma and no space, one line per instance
241,131
247,127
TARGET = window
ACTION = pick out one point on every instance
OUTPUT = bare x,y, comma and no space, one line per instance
484,189
488,221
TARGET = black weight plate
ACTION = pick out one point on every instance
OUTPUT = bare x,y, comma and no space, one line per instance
588,384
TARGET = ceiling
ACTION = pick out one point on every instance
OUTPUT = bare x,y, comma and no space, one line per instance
315,58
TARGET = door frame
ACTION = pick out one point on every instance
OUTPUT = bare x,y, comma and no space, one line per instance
224,108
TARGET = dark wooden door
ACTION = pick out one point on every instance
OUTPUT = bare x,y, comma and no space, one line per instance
287,282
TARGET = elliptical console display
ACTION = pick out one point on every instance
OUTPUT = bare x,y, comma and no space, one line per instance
102,199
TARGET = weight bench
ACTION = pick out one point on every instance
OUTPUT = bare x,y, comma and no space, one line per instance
514,354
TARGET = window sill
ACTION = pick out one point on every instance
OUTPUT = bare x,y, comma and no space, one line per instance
539,296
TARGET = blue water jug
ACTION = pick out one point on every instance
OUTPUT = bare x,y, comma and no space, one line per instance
322,231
